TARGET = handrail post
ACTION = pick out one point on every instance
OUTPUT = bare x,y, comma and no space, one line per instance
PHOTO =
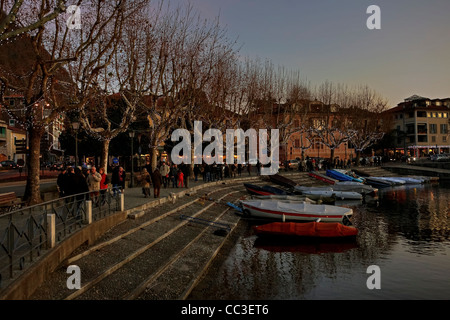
88,211
51,230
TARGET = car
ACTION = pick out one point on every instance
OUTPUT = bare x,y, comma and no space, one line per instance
293,164
9,164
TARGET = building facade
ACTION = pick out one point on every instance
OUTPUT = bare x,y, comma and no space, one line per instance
420,126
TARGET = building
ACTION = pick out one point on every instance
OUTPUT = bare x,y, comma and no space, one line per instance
420,126
13,135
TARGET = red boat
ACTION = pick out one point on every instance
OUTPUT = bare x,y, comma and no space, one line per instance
309,229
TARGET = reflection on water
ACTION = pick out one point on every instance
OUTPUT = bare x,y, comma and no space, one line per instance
405,232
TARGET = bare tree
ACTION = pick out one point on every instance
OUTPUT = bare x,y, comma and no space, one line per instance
365,119
110,76
20,16
43,78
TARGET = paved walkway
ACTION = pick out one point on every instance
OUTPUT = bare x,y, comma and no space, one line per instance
135,201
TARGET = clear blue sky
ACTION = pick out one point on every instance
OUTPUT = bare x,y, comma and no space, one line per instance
329,40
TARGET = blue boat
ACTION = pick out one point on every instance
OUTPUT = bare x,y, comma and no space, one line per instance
338,175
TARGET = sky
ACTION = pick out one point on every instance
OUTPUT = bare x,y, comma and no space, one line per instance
329,40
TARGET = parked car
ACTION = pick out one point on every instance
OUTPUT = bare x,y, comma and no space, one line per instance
8,164
440,157
293,164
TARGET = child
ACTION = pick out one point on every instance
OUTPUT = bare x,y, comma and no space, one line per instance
180,177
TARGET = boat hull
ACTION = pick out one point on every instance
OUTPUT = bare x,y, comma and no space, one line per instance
322,177
308,230
282,181
295,211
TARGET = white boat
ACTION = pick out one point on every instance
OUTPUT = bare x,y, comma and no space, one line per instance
328,192
395,181
295,211
286,197
354,187
409,180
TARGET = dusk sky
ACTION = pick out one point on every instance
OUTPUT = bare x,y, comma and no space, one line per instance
329,40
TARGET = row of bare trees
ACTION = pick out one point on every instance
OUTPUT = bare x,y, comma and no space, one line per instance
169,66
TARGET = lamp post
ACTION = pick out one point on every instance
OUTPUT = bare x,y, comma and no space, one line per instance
76,127
131,133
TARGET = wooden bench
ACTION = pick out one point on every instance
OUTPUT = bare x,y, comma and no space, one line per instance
9,202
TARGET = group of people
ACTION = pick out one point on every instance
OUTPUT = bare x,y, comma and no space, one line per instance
81,181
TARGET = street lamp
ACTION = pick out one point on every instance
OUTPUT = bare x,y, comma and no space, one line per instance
76,127
131,133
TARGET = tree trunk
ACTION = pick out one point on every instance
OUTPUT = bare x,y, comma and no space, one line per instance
105,154
32,194
332,157
154,160
358,155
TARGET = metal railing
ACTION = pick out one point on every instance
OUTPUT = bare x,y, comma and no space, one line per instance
26,233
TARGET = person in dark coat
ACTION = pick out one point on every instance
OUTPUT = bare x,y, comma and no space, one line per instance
80,189
118,179
157,181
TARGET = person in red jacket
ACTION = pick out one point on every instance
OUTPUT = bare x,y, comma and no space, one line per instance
103,185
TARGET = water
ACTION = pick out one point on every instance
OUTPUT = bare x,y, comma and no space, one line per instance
405,232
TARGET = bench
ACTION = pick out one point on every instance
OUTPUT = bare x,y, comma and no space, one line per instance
9,202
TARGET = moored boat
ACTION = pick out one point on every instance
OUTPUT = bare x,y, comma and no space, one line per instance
308,229
354,187
287,197
295,211
322,177
329,192
256,190
282,181
342,176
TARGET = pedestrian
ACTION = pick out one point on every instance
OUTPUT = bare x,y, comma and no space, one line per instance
145,182
173,175
118,180
93,182
186,169
80,189
196,172
157,181
61,182
165,169
180,178
239,169
103,185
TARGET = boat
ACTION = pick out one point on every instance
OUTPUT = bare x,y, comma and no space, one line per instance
322,177
329,192
394,181
282,181
287,197
284,210
378,183
308,229
354,187
256,190
275,190
341,176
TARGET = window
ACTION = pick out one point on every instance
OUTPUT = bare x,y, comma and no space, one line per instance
422,128
421,114
433,128
444,128
297,143
444,139
422,138
433,138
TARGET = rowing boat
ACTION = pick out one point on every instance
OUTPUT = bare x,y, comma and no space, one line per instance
295,211
309,229
329,192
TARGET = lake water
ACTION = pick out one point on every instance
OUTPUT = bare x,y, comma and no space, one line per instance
405,232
